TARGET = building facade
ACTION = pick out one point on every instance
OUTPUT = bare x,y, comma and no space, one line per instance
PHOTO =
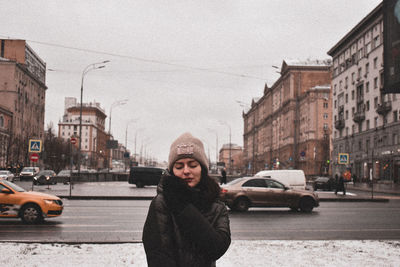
94,138
23,93
5,133
288,126
235,153
366,121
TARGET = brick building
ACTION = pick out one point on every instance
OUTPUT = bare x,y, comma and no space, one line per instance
22,94
289,126
236,155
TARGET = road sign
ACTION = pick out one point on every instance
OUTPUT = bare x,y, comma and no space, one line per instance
35,145
73,140
343,158
34,157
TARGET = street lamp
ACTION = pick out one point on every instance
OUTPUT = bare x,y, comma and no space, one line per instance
230,146
85,71
126,136
116,103
216,146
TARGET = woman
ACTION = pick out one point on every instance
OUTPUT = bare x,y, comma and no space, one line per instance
186,224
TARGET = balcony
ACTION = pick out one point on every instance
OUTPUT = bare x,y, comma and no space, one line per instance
384,108
359,116
339,124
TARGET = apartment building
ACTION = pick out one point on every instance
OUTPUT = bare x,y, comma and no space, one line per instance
22,94
94,138
287,127
366,121
235,153
5,133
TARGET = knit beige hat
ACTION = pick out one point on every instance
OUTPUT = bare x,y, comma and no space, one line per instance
187,146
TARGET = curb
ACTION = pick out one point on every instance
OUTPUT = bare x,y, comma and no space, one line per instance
107,197
341,199
71,242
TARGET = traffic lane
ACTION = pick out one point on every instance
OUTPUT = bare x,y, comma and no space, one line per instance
122,221
332,220
83,221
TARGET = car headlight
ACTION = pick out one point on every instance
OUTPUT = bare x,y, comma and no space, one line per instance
35,177
47,178
50,201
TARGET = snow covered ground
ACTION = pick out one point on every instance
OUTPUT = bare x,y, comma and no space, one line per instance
240,253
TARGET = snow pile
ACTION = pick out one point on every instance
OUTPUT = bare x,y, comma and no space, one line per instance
240,253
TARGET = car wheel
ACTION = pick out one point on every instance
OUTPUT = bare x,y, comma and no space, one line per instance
139,184
31,213
306,204
241,204
294,209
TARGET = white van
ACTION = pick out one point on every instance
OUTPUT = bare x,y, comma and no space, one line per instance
292,178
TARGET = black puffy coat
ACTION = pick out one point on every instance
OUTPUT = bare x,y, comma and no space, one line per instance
192,237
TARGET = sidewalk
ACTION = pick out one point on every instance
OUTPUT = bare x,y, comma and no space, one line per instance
125,191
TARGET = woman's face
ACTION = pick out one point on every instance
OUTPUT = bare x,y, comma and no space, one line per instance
189,170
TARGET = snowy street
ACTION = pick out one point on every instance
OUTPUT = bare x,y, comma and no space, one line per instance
240,253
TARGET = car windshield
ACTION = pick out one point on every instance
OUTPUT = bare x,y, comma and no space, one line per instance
46,172
322,179
235,181
64,172
13,186
27,169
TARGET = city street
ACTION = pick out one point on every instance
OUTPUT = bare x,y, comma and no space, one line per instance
122,221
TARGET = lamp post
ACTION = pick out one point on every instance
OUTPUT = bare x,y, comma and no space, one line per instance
85,71
126,136
230,146
216,147
116,103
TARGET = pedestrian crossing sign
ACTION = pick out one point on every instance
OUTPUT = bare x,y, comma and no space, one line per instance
343,158
35,145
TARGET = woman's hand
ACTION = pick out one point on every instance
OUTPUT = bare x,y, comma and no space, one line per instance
177,193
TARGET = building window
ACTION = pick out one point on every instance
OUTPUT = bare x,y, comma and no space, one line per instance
395,116
353,129
376,122
340,86
353,110
325,126
375,63
62,133
334,89
347,114
367,87
346,82
367,125
335,103
352,95
353,77
347,98
375,102
376,41
1,121
366,69
325,105
359,73
367,104
325,116
375,82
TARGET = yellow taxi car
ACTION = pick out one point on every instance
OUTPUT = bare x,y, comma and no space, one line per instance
31,207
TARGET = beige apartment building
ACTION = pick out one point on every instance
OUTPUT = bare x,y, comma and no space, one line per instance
235,153
22,94
5,133
94,138
366,121
289,126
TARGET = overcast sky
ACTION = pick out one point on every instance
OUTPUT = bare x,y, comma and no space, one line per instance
183,65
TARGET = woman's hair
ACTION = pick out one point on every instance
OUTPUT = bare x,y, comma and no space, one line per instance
209,186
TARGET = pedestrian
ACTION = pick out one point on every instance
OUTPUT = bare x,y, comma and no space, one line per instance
186,224
340,185
223,176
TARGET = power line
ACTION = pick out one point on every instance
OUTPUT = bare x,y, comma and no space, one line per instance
145,60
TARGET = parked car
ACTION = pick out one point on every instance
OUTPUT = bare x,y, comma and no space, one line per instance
45,177
31,207
64,176
27,173
294,179
324,183
242,193
142,176
6,175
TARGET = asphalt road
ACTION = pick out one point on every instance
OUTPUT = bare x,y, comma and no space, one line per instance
122,221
